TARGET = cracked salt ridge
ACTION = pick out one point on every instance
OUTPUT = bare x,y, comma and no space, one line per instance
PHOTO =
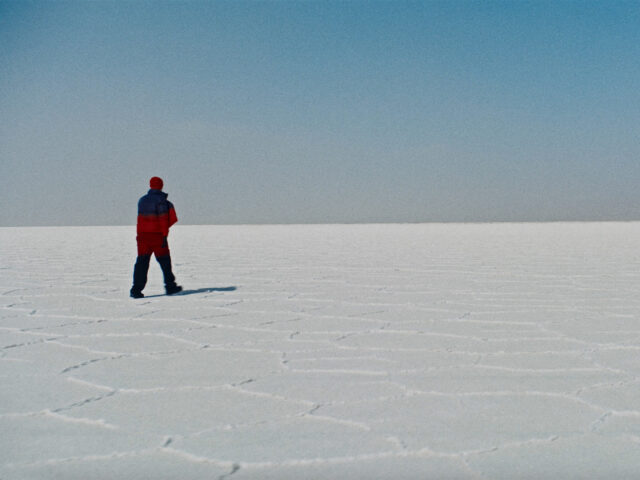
362,460
611,357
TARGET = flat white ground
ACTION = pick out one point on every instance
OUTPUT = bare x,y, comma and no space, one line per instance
493,351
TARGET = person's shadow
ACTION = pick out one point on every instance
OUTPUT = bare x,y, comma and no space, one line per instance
206,290
199,290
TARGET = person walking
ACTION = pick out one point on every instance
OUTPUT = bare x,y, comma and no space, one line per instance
156,215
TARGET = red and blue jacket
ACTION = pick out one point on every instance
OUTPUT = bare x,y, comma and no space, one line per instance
155,213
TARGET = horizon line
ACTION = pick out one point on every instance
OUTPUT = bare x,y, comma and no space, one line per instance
439,222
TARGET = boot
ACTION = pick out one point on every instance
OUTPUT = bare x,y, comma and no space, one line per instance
173,289
135,293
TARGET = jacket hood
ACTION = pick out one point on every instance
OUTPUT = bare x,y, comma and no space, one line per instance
158,192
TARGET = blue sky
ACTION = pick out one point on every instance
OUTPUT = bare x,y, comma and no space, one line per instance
296,112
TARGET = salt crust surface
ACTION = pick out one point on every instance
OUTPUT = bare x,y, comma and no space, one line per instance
471,351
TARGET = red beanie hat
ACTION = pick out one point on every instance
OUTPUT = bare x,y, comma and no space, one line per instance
156,183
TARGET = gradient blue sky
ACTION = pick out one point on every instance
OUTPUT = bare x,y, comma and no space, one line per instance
296,112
